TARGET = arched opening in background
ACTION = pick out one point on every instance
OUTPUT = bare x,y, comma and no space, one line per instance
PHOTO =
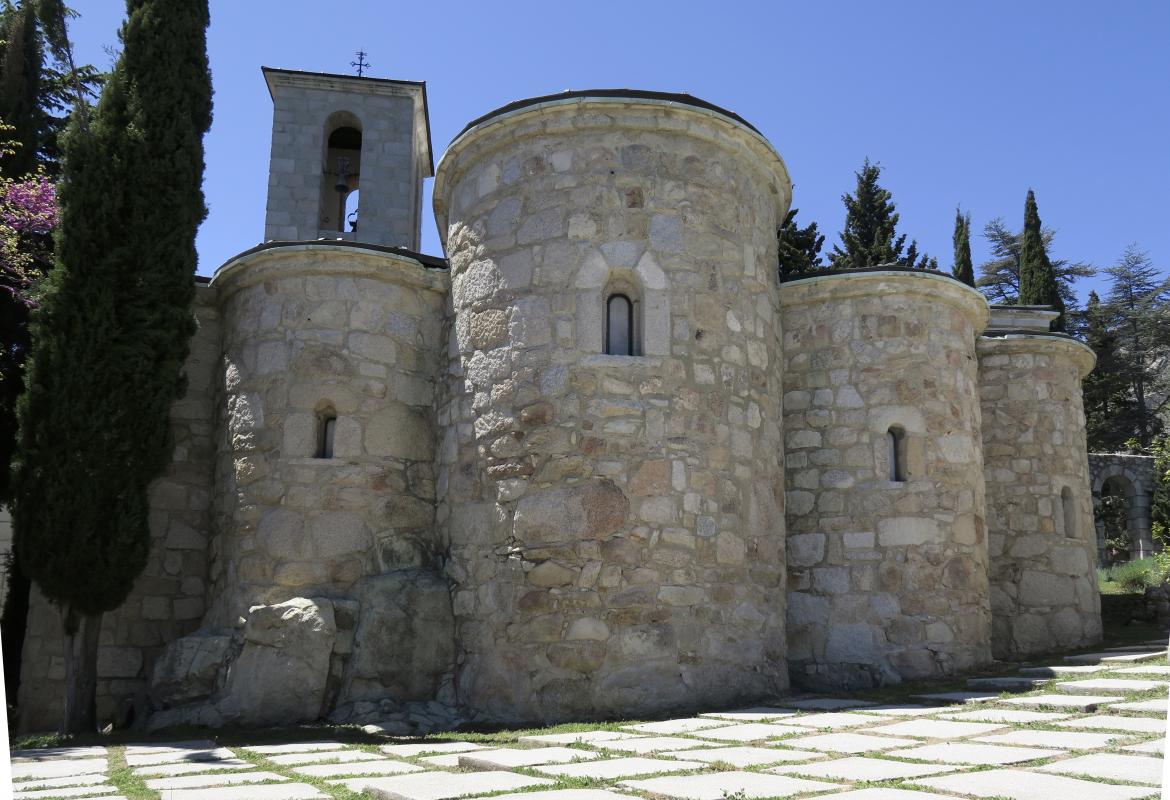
1113,516
340,170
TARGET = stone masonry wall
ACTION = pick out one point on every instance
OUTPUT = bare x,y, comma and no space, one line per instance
313,330
615,523
1040,525
887,580
168,598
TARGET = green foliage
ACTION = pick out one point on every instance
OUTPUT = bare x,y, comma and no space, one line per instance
1038,282
1109,405
1160,504
112,333
799,248
999,278
963,269
870,237
1130,577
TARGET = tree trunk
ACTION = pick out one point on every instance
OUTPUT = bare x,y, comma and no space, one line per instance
81,650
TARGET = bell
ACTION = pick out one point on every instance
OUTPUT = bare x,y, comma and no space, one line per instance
342,184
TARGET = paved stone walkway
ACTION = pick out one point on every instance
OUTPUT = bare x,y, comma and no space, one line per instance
1094,732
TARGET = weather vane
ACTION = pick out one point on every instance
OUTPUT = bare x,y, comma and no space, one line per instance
361,64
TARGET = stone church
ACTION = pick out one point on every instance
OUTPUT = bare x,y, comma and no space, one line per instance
597,460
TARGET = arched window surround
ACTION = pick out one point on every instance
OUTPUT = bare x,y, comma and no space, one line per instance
326,431
340,168
897,454
1068,512
622,315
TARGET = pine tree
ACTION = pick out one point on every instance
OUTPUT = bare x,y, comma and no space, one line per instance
1139,300
799,248
112,333
1109,406
963,268
1038,285
870,236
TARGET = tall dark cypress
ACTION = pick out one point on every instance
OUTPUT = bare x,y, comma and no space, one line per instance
963,269
21,71
1037,277
112,333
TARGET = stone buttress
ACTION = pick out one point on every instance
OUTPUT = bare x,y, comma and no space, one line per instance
615,522
887,552
1040,518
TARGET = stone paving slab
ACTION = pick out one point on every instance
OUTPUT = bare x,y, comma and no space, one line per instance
654,744
1156,706
1020,785
294,747
847,743
1008,715
1072,702
889,794
177,756
900,710
382,767
950,698
754,714
670,727
1065,740
163,770
509,758
566,794
1057,670
1121,685
412,750
935,729
267,791
833,720
748,732
68,780
323,757
143,748
72,791
1110,722
746,756
974,753
1113,658
1147,670
617,768
446,760
1155,746
827,703
57,769
1111,767
440,785
41,753
858,768
579,737
199,781
720,785
1007,683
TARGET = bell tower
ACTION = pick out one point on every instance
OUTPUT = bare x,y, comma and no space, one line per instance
349,156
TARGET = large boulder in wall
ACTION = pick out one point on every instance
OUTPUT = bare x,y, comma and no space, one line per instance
281,673
405,638
188,668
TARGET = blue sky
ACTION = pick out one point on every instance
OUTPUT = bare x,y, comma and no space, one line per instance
961,103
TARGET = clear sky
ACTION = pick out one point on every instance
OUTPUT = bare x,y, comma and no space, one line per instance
961,103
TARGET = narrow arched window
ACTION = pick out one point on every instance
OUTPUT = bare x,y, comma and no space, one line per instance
619,326
896,443
326,427
1069,511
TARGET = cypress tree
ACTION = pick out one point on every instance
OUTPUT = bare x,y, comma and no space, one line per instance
870,237
21,71
1037,277
112,333
799,249
963,269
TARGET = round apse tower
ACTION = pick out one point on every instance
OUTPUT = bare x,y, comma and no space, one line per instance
887,547
611,478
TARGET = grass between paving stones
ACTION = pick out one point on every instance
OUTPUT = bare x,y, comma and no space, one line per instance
286,771
131,785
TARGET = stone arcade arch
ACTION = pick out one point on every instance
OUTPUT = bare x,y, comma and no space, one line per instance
1134,475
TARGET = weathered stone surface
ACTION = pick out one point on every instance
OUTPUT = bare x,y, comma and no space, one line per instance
973,753
617,768
188,668
280,674
441,785
404,643
745,756
718,785
856,769
1020,785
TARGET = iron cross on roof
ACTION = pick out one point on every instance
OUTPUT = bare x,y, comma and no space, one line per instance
361,64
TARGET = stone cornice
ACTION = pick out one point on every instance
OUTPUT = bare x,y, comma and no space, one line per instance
1000,342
